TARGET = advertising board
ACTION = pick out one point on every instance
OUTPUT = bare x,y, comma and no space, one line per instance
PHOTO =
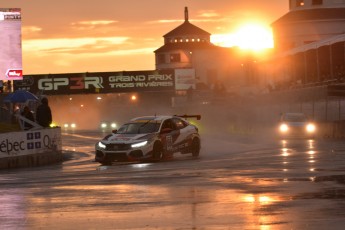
184,79
10,44
98,82
30,142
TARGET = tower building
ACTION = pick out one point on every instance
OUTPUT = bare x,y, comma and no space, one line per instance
189,47
309,21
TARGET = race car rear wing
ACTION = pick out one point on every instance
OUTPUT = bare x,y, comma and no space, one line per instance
198,117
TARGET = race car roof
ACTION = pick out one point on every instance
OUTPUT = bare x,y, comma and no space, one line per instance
156,118
164,117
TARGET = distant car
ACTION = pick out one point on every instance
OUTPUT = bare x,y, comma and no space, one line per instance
69,126
296,125
107,126
150,138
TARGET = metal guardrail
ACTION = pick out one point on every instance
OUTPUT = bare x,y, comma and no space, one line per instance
22,120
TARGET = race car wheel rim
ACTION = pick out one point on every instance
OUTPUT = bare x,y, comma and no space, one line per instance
195,147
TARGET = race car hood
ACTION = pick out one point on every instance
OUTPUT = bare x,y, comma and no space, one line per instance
127,138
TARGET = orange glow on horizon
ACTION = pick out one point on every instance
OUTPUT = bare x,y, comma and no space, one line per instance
106,42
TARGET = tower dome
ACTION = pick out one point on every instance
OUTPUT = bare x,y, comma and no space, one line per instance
180,43
187,32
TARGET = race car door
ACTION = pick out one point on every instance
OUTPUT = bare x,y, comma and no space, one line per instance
182,140
169,138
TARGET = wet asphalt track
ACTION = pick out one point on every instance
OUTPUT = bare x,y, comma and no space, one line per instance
236,183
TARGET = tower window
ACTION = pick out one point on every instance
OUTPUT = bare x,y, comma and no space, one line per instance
168,40
317,2
299,3
175,57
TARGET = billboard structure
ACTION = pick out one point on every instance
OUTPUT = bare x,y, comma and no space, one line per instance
10,44
98,82
184,79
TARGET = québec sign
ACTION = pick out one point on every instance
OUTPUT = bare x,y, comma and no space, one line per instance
14,74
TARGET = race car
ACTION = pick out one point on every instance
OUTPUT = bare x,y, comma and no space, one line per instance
296,125
150,138
107,125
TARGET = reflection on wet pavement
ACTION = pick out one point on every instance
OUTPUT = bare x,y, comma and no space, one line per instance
272,187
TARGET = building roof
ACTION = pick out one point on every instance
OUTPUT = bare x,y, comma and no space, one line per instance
187,29
312,15
314,45
186,46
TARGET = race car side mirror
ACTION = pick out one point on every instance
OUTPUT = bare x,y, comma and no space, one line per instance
114,131
166,130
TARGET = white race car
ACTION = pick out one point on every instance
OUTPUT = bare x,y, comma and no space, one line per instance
296,125
150,138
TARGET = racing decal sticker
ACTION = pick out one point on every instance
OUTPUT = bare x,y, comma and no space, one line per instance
169,142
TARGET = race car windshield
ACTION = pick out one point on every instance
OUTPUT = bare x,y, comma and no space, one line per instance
139,127
295,118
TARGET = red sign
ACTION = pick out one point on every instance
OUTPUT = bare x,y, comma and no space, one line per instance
14,74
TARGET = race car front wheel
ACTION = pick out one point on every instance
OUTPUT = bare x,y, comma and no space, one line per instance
157,153
195,147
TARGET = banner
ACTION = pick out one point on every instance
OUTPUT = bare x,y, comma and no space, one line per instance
98,82
185,79
30,142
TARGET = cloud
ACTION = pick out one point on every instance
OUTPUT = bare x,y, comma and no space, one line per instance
202,16
85,46
133,51
165,21
96,22
93,61
208,14
31,29
190,20
88,25
71,45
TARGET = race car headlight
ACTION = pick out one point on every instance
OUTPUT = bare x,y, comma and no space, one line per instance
310,128
140,144
284,128
101,145
103,125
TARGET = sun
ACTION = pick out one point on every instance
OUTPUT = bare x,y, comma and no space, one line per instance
254,37
248,36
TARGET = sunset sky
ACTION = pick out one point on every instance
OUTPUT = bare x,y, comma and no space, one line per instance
111,35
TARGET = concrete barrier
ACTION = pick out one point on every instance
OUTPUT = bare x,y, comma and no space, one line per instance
30,148
335,129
